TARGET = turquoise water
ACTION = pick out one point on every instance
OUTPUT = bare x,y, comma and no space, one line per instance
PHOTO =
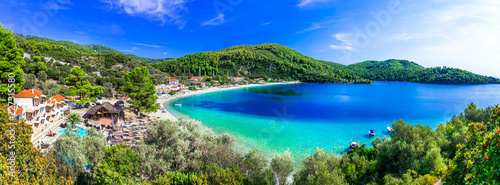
301,117
79,130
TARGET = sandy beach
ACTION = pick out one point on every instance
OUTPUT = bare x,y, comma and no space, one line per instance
167,115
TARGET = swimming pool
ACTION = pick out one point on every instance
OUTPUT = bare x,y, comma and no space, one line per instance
79,130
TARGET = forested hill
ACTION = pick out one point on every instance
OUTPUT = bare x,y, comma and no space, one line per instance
271,60
403,70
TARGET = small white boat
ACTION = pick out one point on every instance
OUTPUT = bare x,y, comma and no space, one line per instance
178,105
389,129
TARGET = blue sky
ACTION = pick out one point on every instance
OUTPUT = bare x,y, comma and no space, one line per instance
454,33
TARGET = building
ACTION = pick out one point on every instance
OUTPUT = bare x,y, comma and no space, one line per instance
193,81
202,84
237,79
17,112
32,102
106,110
174,88
173,81
56,107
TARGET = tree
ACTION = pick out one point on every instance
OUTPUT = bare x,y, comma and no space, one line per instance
42,76
171,93
141,90
82,86
119,165
11,65
73,119
107,89
282,166
266,78
30,81
320,168
73,153
20,161
478,159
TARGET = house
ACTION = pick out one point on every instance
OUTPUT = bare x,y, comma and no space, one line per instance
202,84
56,106
174,88
106,111
181,86
193,80
17,112
173,81
216,82
237,79
31,101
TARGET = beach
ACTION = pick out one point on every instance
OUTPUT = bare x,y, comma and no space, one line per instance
167,115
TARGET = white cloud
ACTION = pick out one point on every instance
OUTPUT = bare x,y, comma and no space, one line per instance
461,34
55,6
147,45
340,47
319,25
165,11
267,23
345,38
304,3
165,53
215,21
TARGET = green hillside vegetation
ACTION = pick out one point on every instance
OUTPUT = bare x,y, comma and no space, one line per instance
90,49
403,70
272,60
101,68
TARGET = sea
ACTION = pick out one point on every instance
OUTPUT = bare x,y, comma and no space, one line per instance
305,116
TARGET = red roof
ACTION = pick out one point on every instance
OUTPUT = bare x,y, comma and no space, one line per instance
125,98
174,87
172,80
30,93
58,98
19,110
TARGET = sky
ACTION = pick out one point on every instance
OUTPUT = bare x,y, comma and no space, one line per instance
452,33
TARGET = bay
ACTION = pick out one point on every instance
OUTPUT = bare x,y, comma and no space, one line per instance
302,117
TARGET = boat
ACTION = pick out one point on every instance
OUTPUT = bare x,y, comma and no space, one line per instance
178,105
353,144
389,129
372,133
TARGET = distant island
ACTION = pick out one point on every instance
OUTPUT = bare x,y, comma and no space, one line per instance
265,60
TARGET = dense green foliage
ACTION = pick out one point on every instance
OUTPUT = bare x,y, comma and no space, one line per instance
90,49
141,90
478,159
11,65
272,60
403,70
20,161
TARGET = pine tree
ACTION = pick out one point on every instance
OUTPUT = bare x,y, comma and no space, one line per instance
141,90
11,64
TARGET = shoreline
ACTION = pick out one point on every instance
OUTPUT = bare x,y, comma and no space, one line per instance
168,115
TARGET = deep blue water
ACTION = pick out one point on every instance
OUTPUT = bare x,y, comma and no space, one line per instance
301,117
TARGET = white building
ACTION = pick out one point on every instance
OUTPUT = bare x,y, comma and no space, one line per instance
173,81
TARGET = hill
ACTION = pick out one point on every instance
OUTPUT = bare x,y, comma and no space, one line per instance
271,60
57,58
403,70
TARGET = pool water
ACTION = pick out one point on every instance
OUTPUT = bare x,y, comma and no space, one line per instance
79,130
